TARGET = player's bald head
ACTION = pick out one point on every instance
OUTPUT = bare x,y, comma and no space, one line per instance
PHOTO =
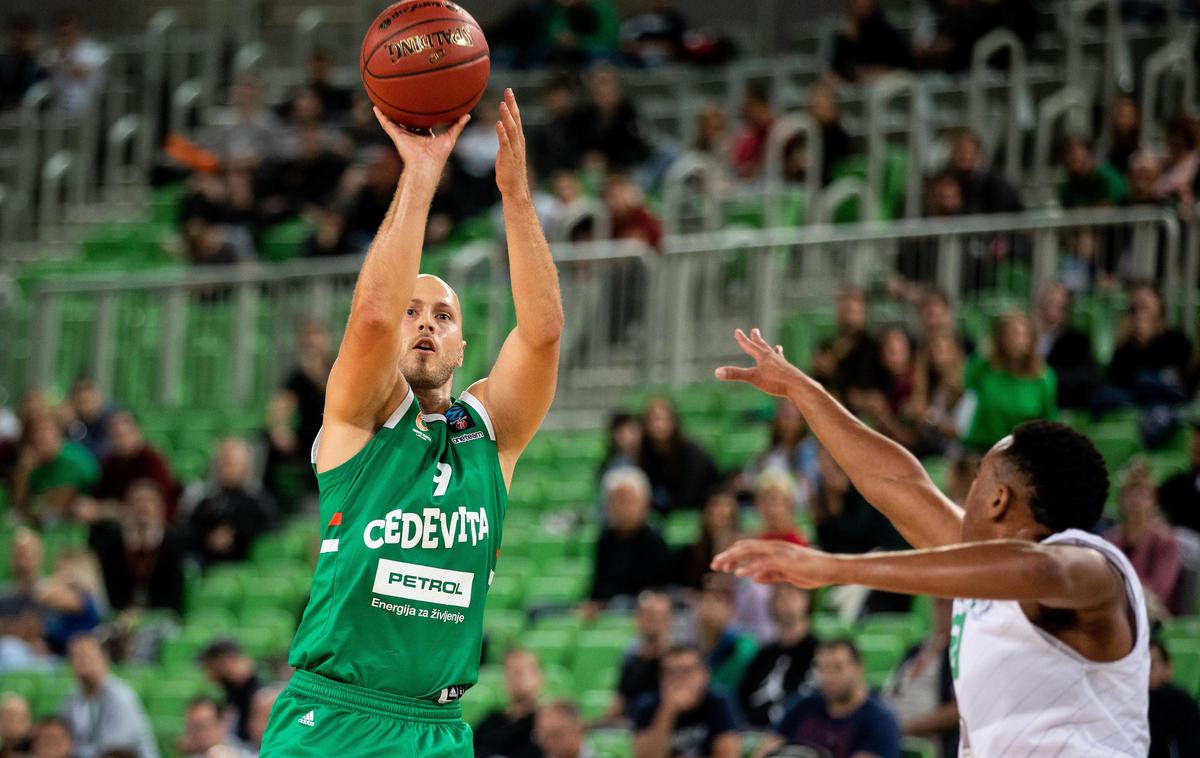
432,289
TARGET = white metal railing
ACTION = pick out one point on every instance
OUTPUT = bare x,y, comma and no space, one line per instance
636,315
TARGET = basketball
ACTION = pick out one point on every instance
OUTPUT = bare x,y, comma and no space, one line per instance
424,62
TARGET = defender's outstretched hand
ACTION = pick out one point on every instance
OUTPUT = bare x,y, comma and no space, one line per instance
771,372
426,151
512,176
774,561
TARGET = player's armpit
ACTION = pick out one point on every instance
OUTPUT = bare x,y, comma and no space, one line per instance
517,394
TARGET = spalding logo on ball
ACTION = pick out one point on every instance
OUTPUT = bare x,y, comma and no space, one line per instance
424,62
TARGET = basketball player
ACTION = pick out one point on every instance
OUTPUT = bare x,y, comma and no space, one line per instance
413,481
1049,640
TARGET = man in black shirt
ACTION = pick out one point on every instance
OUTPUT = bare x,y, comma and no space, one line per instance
630,555
295,414
141,558
1174,716
1065,349
686,718
850,361
227,666
1179,496
1150,365
639,670
781,667
509,732
227,521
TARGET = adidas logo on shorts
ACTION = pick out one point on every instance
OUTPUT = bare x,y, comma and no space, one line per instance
307,719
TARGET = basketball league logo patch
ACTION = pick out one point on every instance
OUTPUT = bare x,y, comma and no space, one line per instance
458,419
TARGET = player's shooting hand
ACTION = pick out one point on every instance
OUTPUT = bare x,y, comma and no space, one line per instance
426,153
771,372
512,176
775,561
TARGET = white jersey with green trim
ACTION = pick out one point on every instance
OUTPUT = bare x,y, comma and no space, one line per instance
1022,692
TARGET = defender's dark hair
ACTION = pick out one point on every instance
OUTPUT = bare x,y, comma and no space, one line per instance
1068,480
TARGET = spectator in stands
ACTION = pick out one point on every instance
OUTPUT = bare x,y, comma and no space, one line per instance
1145,170
1089,183
882,408
630,554
20,68
1182,163
844,520
1124,131
686,717
791,449
851,360
640,668
365,195
781,667
775,500
16,726
713,139
936,314
825,111
91,414
74,64
624,442
937,389
750,145
52,739
921,689
559,731
227,666
140,556
21,605
71,599
234,512
626,205
1147,540
1011,385
508,732
294,416
260,714
1064,348
335,100
842,717
103,712
609,133
719,528
307,179
1150,362
654,36
867,45
130,459
206,731
680,471
582,31
254,134
555,145
726,651
984,190
1179,496
1174,715
50,472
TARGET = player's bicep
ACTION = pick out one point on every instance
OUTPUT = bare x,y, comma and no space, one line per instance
365,373
518,392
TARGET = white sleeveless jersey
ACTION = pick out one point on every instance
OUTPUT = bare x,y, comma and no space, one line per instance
1023,693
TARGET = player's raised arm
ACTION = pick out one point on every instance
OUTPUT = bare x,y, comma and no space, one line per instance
520,388
886,474
365,376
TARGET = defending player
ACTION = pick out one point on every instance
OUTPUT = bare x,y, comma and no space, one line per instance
1049,643
413,481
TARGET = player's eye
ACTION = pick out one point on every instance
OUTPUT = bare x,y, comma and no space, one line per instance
410,312
444,316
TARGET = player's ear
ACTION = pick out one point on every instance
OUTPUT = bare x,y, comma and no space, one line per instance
462,353
1001,501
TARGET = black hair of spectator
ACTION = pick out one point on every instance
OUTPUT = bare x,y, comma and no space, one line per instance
935,294
758,89
564,707
21,24
684,648
835,643
1183,129
1067,477
1073,140
218,649
1141,285
54,719
203,701
119,752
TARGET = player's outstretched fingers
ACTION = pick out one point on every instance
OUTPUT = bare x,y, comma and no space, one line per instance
734,374
510,124
458,126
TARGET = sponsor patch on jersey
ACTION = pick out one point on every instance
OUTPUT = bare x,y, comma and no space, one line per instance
422,435
458,418
468,437
431,585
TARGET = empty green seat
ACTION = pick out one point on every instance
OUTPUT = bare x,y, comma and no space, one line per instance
598,656
503,627
551,646
610,743
880,655
901,625
594,703
544,591
1185,660
507,591
53,692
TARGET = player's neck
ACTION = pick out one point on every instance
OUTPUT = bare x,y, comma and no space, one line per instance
435,400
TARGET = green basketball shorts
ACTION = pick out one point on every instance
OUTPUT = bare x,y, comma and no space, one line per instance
319,717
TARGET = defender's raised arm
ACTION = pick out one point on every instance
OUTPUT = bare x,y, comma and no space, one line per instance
886,474
365,377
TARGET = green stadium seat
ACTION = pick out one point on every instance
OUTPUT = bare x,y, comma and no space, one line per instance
1182,629
549,591
558,682
598,656
681,528
261,642
880,654
917,747
279,625
827,626
901,625
570,623
570,493
272,592
503,627
52,692
478,702
212,617
610,743
1185,660
23,683
544,549
553,647
615,621
594,703
224,590
507,591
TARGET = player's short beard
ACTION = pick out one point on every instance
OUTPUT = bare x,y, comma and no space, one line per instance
428,377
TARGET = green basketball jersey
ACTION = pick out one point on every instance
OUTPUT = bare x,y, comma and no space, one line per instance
412,527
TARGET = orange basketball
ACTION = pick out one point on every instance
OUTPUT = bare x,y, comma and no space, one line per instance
424,62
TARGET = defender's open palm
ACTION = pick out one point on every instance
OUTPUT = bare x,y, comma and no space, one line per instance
771,372
426,151
774,561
